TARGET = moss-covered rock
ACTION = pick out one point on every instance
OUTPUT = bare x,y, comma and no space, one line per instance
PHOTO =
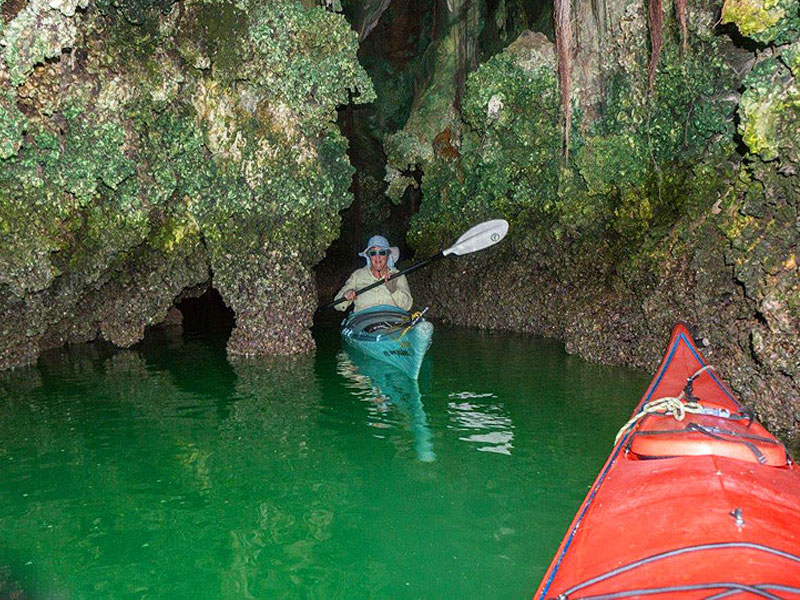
40,31
506,161
770,111
765,21
12,126
632,174
144,147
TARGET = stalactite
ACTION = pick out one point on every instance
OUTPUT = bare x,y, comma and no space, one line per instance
656,38
467,21
372,19
461,56
563,23
680,13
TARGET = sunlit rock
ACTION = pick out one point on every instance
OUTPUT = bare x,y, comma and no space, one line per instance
147,148
763,20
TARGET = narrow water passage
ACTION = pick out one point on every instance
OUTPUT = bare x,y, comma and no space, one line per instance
170,471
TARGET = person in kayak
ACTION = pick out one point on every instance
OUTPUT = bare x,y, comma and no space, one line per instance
380,257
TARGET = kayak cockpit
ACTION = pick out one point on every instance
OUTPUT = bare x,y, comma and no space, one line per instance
391,335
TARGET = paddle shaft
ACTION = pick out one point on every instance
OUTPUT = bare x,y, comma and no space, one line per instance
413,267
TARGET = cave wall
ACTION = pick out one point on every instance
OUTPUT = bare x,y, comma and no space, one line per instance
151,146
677,200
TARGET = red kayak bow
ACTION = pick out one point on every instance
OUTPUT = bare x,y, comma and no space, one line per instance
696,500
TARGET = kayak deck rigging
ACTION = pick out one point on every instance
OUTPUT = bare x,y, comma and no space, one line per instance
696,500
757,588
711,440
710,428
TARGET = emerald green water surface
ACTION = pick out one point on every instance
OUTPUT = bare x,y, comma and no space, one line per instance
170,471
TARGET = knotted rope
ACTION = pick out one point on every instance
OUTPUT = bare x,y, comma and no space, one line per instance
669,405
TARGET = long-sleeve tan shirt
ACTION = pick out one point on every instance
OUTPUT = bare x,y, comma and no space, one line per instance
401,297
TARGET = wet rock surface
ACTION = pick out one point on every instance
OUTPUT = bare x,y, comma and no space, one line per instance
274,301
152,148
628,323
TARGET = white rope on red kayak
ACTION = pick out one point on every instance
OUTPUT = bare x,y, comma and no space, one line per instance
668,405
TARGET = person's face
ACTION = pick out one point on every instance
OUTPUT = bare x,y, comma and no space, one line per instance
378,258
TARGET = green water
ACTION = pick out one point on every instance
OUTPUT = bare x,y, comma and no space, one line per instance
169,471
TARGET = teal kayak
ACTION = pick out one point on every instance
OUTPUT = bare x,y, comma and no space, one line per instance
391,335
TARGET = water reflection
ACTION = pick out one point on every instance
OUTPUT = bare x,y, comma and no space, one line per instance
129,462
289,484
172,470
383,387
483,419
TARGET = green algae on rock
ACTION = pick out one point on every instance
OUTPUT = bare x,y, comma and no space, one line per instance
765,21
662,213
507,158
148,148
770,112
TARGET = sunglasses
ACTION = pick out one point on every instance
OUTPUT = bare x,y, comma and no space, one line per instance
377,252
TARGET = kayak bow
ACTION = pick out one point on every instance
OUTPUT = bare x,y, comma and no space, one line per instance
697,500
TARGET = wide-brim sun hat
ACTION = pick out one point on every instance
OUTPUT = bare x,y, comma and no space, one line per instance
378,241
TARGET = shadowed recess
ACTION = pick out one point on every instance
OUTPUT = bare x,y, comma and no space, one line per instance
207,314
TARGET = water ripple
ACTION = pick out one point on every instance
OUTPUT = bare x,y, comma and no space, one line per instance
487,424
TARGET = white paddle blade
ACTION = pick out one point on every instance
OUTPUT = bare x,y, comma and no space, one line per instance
479,237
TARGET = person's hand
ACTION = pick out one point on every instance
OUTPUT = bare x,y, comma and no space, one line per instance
390,285
350,295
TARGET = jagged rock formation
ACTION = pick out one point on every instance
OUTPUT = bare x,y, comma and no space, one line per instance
151,148
148,147
678,199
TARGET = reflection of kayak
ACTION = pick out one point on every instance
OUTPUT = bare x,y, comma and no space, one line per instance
702,506
391,335
381,381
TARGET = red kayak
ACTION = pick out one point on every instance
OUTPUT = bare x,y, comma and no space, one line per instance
697,500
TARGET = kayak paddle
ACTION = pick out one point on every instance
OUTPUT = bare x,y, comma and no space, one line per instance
476,238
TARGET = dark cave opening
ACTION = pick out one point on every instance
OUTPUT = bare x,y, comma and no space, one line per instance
207,315
398,52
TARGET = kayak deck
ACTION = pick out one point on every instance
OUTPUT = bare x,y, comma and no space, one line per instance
391,335
697,500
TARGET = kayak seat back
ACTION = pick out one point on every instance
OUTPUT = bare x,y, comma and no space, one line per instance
380,327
